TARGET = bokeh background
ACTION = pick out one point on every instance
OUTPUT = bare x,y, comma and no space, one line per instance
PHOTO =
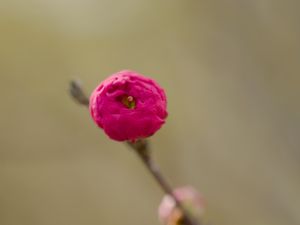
231,73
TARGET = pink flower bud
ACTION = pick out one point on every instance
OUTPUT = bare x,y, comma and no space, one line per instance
193,202
128,106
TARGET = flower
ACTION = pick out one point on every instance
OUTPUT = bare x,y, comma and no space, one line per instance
192,200
128,106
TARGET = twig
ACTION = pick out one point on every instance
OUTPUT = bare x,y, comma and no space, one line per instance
77,93
142,149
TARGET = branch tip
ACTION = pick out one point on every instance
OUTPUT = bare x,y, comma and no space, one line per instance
77,93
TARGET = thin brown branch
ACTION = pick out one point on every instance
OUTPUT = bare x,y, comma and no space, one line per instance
141,147
77,93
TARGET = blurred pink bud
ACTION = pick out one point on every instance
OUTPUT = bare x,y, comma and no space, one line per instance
128,106
192,200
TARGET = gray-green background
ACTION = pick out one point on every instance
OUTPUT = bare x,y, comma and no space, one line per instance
231,73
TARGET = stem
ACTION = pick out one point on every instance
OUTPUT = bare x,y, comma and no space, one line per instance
78,94
142,150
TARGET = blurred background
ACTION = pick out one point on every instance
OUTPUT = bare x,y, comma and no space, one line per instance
231,73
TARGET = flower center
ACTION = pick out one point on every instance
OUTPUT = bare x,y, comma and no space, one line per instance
129,101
